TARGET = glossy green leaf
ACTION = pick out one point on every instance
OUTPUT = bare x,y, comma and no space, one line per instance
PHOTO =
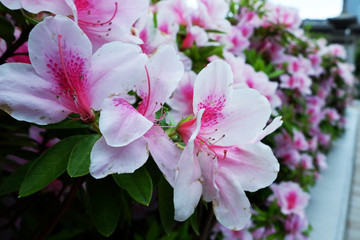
105,204
138,185
49,166
195,223
166,205
79,160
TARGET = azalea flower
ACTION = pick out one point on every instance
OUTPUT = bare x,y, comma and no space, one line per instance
290,198
223,155
64,77
102,21
129,133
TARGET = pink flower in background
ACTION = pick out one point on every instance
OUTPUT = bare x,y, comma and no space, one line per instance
337,50
321,160
128,133
229,234
290,198
282,15
182,99
64,76
223,155
246,77
294,226
299,141
306,161
298,81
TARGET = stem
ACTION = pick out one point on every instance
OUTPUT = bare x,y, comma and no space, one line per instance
13,47
63,208
209,223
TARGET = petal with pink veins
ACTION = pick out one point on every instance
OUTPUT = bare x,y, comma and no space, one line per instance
107,21
232,208
242,121
164,152
212,87
116,68
107,160
165,71
120,123
27,97
188,188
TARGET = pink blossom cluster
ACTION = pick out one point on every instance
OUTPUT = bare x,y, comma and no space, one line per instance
197,86
94,59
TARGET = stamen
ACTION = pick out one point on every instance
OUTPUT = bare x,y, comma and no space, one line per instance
101,23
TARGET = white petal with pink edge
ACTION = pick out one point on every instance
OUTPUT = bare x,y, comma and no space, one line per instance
232,208
116,68
120,123
164,152
57,45
27,97
188,188
105,160
253,165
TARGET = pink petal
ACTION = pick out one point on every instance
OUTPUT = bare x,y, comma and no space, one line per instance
232,208
12,4
244,118
27,97
188,188
165,153
212,86
253,165
116,68
54,6
165,71
107,21
120,123
208,164
107,160
46,39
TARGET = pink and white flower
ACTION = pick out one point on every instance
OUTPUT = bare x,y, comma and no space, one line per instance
129,133
290,198
223,155
64,77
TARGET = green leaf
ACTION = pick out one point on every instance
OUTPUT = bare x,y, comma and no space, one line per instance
6,30
194,223
276,73
49,166
79,160
138,184
166,205
105,208
13,182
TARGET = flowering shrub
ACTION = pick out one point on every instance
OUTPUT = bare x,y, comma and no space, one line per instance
154,121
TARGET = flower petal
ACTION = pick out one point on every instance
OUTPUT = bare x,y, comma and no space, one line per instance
57,7
107,160
120,123
27,97
188,188
208,164
253,165
165,71
164,152
45,42
212,87
116,68
232,208
243,120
